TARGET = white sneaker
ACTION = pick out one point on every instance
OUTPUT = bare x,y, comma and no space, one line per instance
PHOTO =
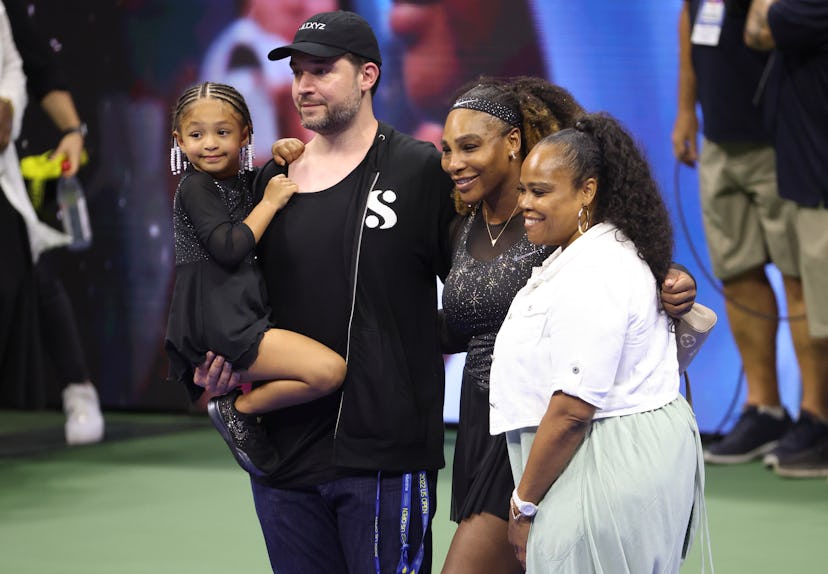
84,420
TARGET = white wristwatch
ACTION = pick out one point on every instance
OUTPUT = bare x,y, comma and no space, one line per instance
521,508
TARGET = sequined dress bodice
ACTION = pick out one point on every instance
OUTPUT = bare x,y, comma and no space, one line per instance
477,295
239,202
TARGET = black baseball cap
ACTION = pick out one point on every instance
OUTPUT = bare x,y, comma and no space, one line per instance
331,34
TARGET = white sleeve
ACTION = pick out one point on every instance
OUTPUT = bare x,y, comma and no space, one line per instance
12,79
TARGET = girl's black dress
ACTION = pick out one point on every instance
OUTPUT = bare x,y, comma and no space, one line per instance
219,301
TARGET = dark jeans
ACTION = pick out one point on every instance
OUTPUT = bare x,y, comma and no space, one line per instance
330,527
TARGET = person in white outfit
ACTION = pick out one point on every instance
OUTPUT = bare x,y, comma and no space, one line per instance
604,450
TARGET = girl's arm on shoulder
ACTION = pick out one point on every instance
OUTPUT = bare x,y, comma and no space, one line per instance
277,193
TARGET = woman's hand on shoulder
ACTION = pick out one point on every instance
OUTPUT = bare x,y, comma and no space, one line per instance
678,292
287,150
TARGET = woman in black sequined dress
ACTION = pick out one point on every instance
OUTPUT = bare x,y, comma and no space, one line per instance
484,142
489,130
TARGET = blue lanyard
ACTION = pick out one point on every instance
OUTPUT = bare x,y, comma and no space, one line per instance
376,526
404,567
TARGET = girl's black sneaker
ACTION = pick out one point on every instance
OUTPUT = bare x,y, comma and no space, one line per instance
244,434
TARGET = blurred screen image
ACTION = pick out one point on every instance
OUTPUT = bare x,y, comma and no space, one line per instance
128,61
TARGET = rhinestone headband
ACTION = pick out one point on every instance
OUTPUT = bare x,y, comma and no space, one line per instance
495,109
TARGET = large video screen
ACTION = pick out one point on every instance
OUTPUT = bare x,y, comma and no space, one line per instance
128,61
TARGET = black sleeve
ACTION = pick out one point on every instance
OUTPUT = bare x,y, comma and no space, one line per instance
227,243
43,74
446,215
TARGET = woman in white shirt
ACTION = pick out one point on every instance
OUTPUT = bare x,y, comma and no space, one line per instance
604,450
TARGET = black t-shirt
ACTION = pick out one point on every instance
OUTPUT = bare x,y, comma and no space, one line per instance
727,78
305,257
797,103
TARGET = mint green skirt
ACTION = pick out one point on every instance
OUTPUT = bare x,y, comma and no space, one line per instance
629,501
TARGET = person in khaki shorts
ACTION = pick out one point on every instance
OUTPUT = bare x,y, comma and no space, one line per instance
797,113
747,224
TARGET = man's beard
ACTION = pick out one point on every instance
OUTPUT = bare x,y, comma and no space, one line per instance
335,118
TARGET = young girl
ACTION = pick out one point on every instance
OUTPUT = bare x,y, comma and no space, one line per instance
219,300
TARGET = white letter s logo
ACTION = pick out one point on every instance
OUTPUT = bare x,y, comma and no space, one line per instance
382,215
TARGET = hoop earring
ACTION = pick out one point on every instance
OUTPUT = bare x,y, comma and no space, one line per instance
178,162
584,211
512,155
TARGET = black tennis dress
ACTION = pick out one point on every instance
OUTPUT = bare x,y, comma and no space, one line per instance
476,297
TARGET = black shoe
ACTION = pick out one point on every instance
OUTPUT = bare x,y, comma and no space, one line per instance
803,451
244,434
754,435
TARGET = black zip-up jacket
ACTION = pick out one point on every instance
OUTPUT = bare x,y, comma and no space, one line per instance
389,413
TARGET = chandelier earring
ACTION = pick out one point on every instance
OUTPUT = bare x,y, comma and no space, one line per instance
250,153
246,156
178,162
583,212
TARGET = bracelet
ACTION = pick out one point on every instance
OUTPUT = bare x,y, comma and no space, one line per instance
516,515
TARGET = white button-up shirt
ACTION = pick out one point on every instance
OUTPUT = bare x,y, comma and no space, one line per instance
589,323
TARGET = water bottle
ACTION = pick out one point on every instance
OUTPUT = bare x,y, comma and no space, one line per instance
72,210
